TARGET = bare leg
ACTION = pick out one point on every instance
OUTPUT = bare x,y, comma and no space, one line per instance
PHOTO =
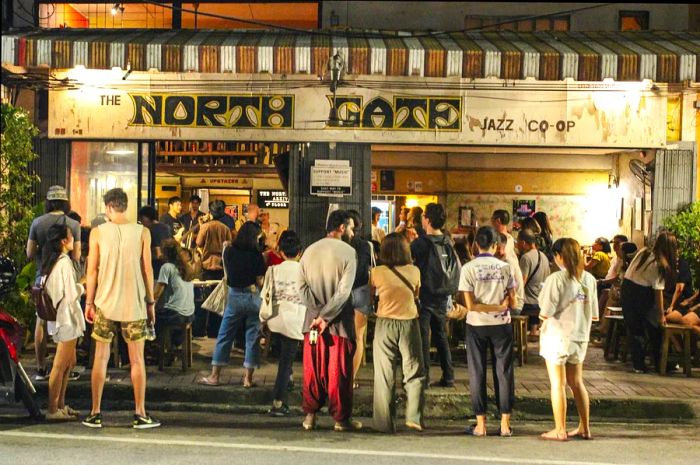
70,349
138,376
58,379
574,378
675,317
40,343
557,380
360,328
692,319
248,377
213,378
505,423
99,373
480,424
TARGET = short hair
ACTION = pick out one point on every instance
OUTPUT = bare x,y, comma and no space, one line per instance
628,248
395,251
604,243
217,208
289,243
501,239
57,205
621,238
435,213
502,216
117,199
247,237
148,212
174,199
486,237
376,211
357,219
527,237
73,215
195,198
336,219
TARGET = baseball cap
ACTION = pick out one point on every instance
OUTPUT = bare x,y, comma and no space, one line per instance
57,193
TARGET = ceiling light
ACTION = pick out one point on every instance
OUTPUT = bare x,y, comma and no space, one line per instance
117,8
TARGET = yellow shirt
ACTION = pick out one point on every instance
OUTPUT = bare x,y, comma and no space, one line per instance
396,301
600,270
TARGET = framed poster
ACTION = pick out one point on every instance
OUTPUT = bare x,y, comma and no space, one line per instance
386,180
466,216
522,209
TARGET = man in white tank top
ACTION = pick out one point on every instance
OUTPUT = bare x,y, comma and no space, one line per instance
120,296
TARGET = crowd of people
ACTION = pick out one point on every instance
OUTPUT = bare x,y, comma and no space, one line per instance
320,300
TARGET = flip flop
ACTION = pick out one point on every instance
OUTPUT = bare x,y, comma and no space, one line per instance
471,431
251,385
205,382
556,438
505,435
585,437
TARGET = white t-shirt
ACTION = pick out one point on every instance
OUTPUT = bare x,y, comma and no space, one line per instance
287,280
645,274
489,279
519,282
568,306
614,269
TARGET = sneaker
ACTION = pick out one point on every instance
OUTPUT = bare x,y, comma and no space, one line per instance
73,376
71,411
349,425
282,411
41,374
60,415
93,421
145,422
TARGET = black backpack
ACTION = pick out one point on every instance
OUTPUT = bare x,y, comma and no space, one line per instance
440,278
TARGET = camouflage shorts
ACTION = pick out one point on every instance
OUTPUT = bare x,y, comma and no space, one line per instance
103,330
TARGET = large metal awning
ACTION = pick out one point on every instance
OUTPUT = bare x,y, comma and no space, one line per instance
665,57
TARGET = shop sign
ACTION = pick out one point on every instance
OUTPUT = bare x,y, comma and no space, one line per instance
331,178
273,199
467,112
215,182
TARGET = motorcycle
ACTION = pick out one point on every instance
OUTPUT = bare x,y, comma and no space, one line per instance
15,384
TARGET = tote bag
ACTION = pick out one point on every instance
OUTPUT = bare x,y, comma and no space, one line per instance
216,302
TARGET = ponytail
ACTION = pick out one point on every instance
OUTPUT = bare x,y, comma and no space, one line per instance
570,252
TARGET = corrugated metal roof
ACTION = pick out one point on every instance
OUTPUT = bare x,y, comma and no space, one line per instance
660,56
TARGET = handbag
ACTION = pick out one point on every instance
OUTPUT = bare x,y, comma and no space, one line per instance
268,308
408,285
216,302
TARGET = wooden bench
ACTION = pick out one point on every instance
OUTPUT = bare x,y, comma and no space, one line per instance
520,337
165,345
616,328
686,333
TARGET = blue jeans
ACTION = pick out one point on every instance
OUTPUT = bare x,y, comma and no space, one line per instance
242,310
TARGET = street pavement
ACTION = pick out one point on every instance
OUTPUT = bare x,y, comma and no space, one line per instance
209,439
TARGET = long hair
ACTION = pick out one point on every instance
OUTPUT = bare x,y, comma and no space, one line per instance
665,252
247,237
52,248
172,253
570,252
543,221
530,224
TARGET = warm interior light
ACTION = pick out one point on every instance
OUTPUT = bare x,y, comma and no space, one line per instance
411,202
119,152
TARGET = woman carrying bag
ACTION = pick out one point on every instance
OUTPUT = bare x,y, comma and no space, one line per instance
282,311
397,335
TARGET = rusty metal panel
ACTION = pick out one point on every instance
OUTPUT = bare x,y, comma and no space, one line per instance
340,46
302,55
245,54
668,61
62,53
530,55
396,57
648,60
511,61
154,49
284,54
377,51
228,53
492,56
99,54
44,53
617,61
434,55
549,58
29,54
688,41
453,56
589,58
688,51
9,49
137,52
172,51
568,57
190,51
687,61
320,53
416,56
266,53
359,51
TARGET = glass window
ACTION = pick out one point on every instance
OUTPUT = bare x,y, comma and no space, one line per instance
634,21
97,167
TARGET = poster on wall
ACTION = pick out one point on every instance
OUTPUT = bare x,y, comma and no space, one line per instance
466,215
331,178
522,209
386,180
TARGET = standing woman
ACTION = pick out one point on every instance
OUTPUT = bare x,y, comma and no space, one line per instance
642,296
245,270
62,287
397,335
568,306
360,292
546,233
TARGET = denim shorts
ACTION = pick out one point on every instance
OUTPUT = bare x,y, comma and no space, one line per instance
361,299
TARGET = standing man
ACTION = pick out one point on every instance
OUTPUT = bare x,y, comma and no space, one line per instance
159,233
171,218
439,267
120,296
535,269
327,273
251,214
378,233
57,207
500,221
190,220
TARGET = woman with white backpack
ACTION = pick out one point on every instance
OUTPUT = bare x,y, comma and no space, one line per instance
282,311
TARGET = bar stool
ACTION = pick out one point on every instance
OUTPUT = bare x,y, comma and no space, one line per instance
520,337
165,345
676,330
616,328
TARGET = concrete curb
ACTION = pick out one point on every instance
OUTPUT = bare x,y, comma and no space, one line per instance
440,403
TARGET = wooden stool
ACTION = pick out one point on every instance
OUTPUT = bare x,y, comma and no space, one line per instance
114,348
165,345
676,330
616,327
520,337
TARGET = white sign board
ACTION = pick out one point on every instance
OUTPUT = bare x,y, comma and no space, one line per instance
164,106
331,178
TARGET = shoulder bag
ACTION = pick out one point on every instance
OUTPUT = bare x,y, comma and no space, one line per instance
408,285
216,302
268,308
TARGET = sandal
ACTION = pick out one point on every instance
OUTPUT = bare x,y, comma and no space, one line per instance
250,385
206,382
577,435
546,437
505,434
471,431
309,425
356,385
